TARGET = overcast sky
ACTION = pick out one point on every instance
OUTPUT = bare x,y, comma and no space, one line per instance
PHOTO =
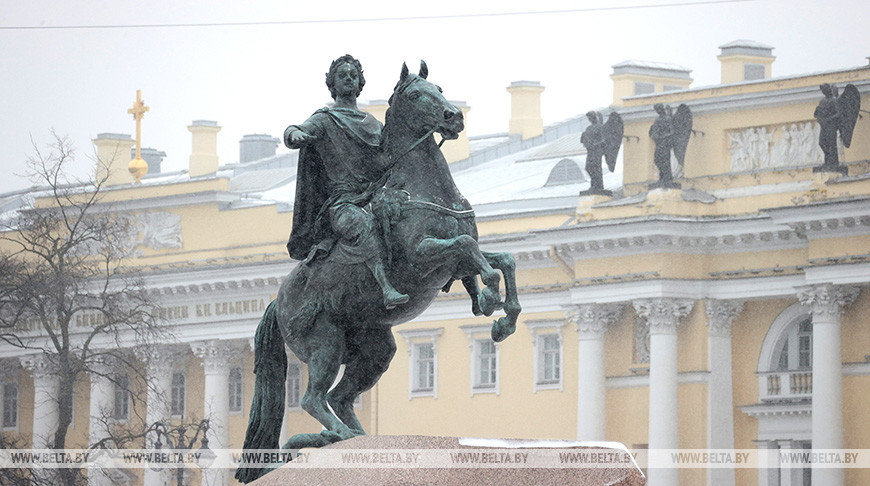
260,78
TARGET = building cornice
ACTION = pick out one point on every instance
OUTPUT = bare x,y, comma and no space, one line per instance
709,99
759,410
646,235
262,275
825,219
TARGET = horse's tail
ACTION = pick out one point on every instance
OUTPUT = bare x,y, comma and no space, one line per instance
267,409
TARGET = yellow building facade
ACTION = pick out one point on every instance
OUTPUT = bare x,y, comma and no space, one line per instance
728,314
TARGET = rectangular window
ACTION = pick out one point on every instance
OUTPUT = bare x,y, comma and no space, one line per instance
641,88
547,354
179,383
10,405
122,398
487,371
294,385
550,359
237,388
424,367
671,87
422,361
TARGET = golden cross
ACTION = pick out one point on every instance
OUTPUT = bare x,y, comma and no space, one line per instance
138,112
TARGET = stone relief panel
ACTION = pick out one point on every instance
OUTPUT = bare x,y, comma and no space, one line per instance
772,147
156,230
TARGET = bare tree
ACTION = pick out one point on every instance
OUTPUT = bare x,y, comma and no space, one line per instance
67,289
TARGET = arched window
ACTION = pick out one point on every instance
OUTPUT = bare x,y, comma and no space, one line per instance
786,360
565,172
796,347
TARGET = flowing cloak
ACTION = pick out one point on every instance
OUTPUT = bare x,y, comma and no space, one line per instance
339,166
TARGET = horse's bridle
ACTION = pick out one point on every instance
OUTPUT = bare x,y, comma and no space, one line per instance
425,205
401,90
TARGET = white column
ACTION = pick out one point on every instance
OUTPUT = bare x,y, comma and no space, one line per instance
794,475
768,462
158,366
45,390
663,316
827,303
102,402
592,321
720,397
216,357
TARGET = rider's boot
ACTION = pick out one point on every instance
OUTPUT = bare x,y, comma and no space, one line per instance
392,297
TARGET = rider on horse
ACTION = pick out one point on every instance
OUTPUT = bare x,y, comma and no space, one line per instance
340,162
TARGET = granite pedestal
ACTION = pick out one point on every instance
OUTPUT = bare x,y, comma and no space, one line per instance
407,460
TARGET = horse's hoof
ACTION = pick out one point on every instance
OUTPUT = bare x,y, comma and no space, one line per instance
488,300
501,329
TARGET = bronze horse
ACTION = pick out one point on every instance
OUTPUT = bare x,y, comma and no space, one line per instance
330,314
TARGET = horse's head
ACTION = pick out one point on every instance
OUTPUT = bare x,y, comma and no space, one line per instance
423,107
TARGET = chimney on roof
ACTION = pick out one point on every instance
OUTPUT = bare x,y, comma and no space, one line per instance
112,161
256,146
526,118
203,154
631,78
152,157
745,60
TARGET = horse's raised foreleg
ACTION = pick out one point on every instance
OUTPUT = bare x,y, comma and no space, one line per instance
505,326
323,366
464,251
369,352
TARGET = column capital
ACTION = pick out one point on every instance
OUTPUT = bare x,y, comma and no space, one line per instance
663,315
592,320
40,366
216,355
101,368
720,315
827,301
161,359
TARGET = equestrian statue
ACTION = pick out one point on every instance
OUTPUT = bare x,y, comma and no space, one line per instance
380,228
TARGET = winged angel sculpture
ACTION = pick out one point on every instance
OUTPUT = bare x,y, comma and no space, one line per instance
836,113
670,132
601,140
